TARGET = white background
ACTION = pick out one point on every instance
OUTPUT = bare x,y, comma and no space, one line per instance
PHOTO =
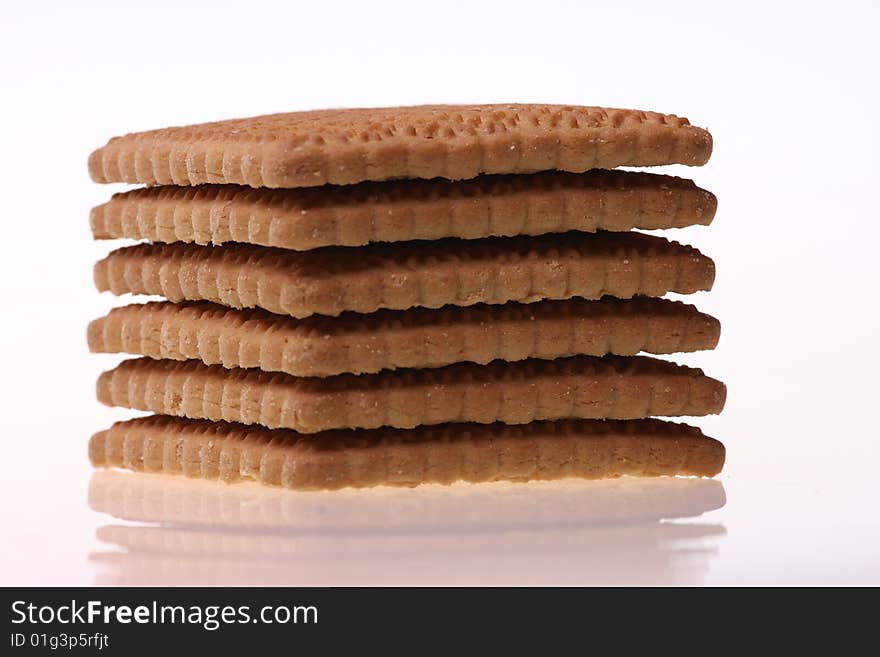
789,91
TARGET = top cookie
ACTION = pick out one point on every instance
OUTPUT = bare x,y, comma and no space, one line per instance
347,146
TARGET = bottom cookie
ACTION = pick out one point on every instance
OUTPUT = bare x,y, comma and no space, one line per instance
591,449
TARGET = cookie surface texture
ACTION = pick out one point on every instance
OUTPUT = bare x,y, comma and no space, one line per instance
347,146
475,453
303,219
515,393
391,339
333,280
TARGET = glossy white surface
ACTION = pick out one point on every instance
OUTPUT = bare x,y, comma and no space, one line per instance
112,528
789,93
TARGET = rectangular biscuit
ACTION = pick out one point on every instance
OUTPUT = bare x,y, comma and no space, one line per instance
303,219
475,453
615,387
391,339
401,275
591,449
347,146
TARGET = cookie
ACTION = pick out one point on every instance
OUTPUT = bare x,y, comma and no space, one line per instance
303,219
402,275
445,454
390,339
515,393
347,146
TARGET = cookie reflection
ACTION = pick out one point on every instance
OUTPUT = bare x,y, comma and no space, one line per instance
624,531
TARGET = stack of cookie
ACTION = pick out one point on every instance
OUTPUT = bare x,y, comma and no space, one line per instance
409,295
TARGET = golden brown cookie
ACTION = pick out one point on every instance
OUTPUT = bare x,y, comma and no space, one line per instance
613,387
302,219
346,146
390,339
402,275
590,449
